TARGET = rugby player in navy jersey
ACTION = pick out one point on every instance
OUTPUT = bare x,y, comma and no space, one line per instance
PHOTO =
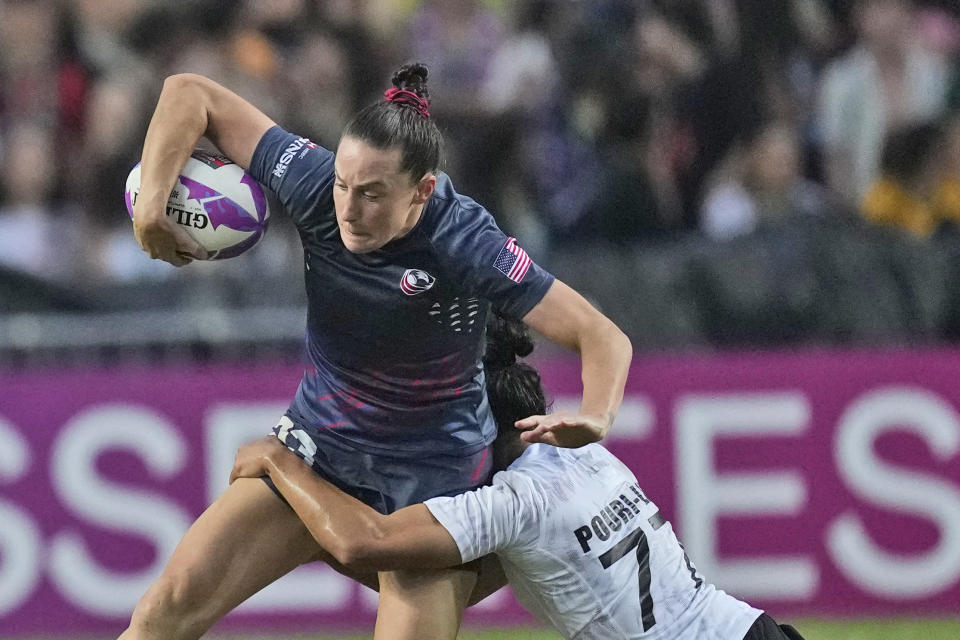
582,545
400,271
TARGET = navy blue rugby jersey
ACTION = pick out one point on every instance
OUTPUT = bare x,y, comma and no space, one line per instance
395,336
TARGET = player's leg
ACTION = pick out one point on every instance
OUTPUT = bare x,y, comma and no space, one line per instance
426,604
423,604
245,540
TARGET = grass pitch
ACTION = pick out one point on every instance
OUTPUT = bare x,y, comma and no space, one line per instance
896,629
874,629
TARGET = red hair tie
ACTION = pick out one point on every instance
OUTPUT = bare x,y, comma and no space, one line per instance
409,98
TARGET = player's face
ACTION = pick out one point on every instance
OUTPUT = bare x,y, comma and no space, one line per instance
375,202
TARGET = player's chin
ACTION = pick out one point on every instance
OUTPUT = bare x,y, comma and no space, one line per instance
359,243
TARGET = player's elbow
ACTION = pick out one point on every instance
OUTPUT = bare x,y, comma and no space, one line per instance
367,550
187,87
621,342
355,556
186,101
605,332
180,82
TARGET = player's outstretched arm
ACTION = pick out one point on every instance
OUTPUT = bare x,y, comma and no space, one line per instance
358,537
565,317
190,106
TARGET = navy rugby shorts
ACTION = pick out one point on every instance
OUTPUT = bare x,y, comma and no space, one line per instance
386,483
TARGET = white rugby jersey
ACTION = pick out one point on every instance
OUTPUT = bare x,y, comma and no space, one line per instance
587,552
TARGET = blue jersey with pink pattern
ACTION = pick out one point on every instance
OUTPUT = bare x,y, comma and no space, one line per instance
395,336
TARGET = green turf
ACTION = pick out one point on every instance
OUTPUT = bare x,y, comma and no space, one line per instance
874,629
897,629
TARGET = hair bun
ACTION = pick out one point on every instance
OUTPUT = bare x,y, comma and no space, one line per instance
412,77
506,340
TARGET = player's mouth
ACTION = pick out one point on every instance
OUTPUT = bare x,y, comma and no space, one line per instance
357,242
355,234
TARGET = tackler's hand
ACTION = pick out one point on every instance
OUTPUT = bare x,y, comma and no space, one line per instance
570,430
253,458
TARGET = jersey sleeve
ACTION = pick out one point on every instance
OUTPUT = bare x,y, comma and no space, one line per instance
486,520
300,172
492,264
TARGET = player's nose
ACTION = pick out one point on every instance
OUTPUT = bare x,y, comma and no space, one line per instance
349,210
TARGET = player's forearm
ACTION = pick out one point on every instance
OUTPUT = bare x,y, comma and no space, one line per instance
179,120
565,317
360,538
339,523
605,354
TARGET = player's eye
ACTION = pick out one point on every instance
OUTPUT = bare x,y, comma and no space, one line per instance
371,196
340,185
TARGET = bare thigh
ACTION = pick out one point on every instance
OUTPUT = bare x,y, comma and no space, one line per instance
423,604
245,540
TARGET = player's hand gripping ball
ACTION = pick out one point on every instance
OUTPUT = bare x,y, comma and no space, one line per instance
220,205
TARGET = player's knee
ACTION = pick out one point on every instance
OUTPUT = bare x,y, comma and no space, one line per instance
153,615
167,610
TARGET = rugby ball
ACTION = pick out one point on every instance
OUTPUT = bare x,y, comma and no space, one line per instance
215,201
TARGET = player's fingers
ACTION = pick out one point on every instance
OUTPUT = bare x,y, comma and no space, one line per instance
533,435
572,423
552,422
187,244
243,469
538,436
528,422
192,249
161,248
528,436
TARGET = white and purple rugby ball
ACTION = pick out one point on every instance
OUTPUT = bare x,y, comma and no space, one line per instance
215,201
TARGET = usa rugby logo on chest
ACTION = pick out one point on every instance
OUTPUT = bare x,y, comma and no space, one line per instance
416,281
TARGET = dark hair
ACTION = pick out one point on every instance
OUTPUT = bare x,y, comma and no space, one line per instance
513,388
907,150
387,124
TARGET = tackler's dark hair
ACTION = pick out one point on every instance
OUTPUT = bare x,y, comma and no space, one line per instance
514,388
402,119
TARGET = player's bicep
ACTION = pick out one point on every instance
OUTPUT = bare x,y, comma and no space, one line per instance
233,124
494,265
562,314
299,172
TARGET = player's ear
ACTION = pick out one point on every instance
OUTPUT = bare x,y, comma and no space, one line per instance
425,188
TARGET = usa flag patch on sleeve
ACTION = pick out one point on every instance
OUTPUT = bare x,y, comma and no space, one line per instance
512,261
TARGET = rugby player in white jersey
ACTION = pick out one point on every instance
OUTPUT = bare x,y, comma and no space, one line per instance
583,547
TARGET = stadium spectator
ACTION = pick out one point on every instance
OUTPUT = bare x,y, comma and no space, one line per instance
953,96
522,75
889,79
762,186
606,121
458,39
919,187
29,62
36,236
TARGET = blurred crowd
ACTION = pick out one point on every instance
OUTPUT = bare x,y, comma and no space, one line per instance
618,121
